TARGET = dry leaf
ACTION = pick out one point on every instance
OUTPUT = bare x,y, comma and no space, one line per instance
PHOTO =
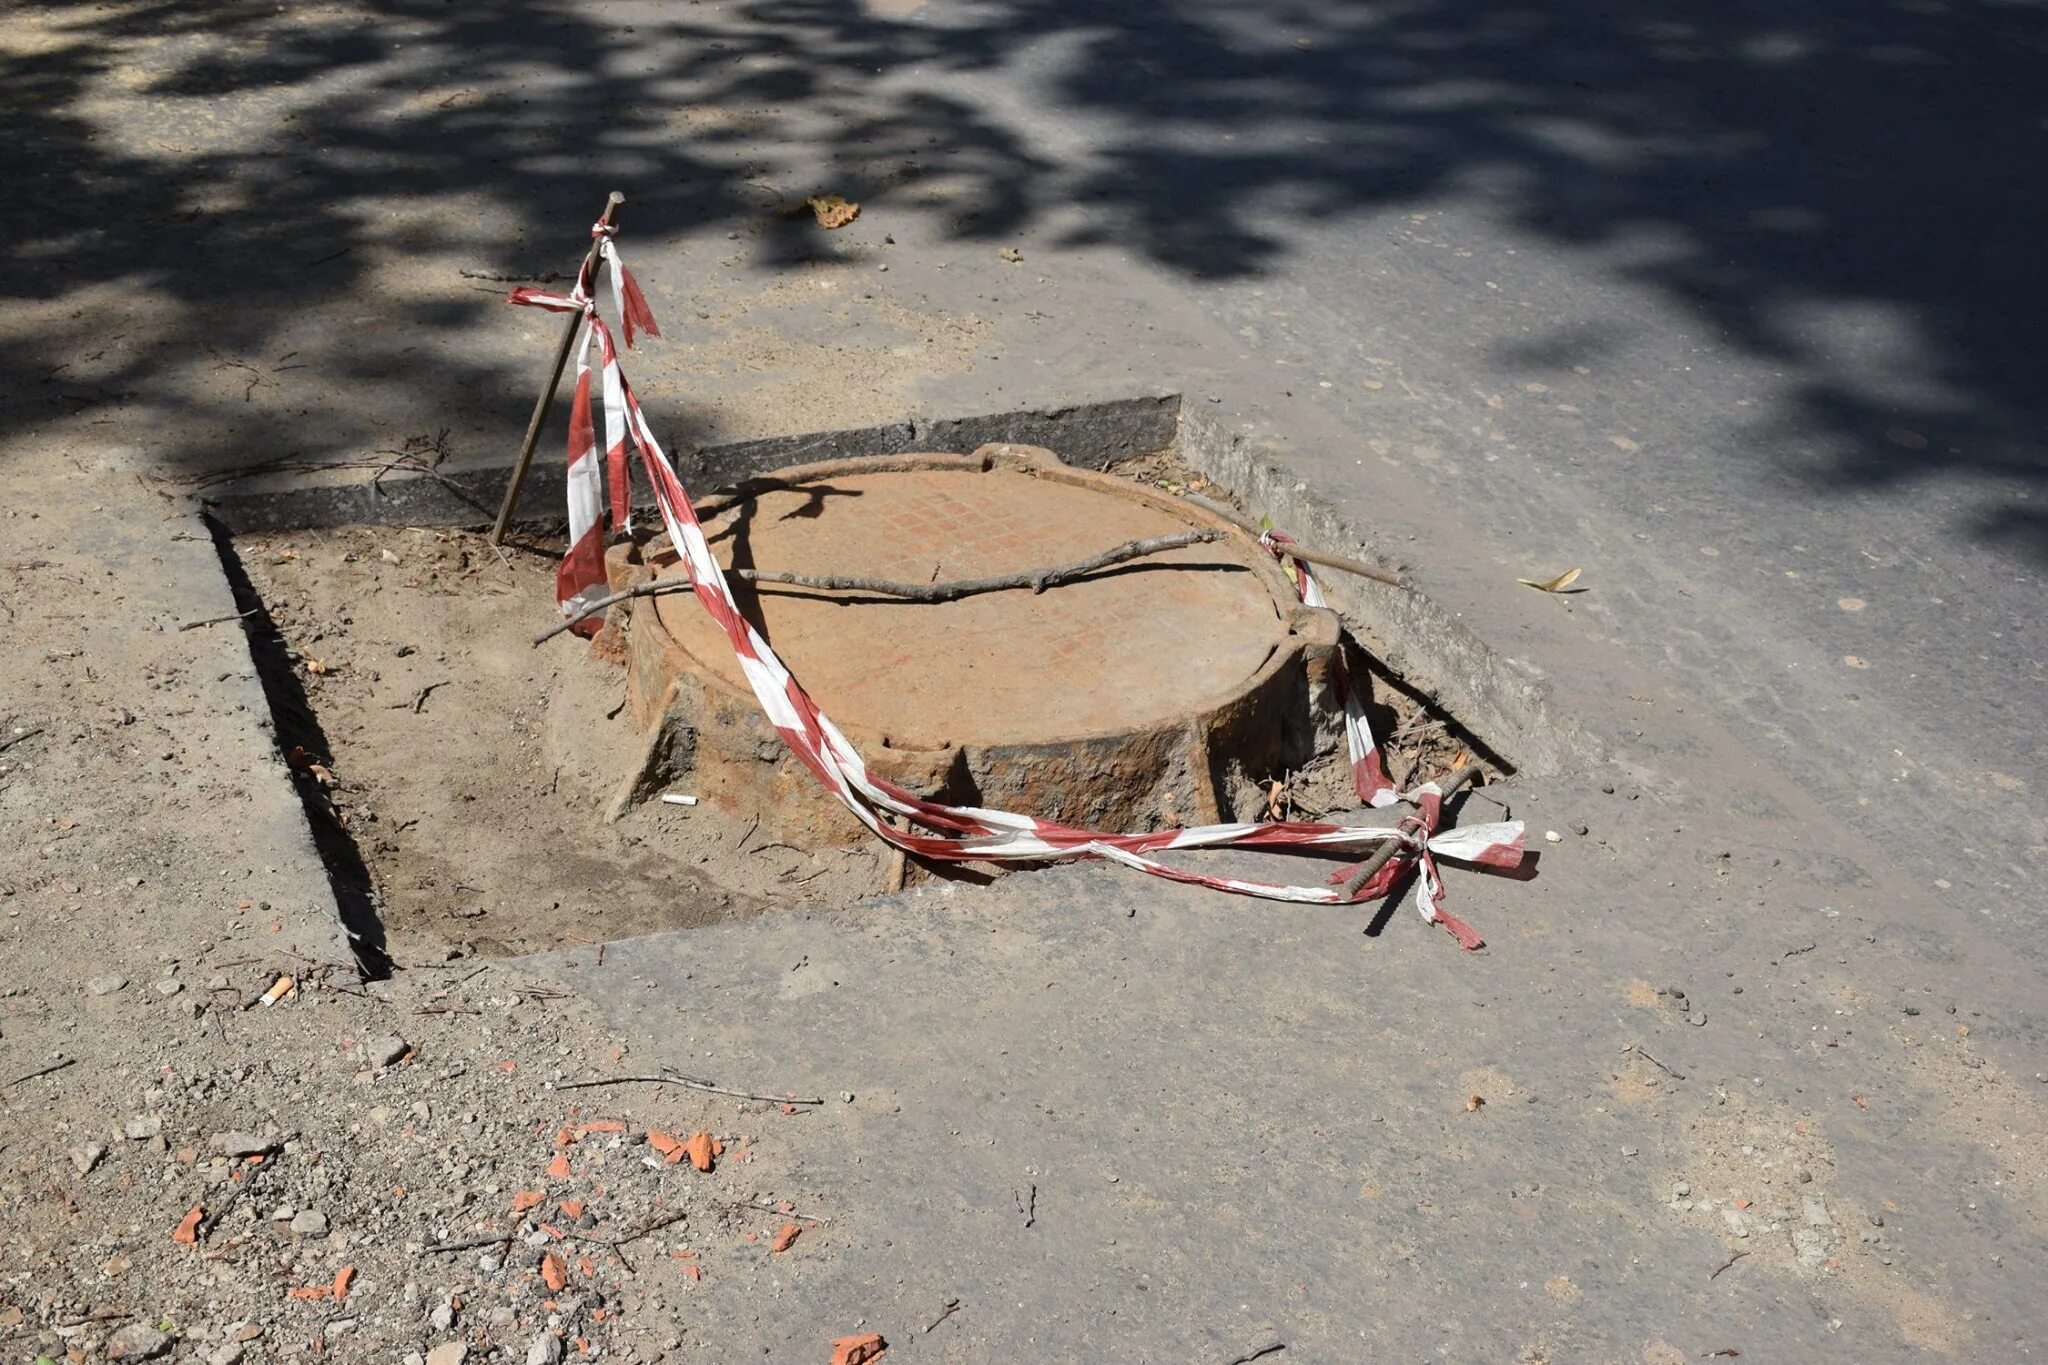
858,1350
783,1239
316,667
552,1272
832,210
701,1149
187,1231
1859,1101
1557,584
1473,1103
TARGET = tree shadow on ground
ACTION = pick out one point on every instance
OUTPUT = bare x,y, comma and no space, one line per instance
234,163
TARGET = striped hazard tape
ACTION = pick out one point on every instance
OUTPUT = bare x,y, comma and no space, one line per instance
900,817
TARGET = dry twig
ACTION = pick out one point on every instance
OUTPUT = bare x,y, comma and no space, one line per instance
1037,580
221,620
688,1083
57,1065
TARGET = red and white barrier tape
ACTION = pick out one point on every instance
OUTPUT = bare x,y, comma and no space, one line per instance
964,833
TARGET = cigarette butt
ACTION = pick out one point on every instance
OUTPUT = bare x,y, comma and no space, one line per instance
672,799
279,989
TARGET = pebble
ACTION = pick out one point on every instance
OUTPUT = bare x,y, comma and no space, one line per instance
1552,836
142,1127
105,985
310,1223
230,1354
442,1318
87,1156
448,1353
239,1144
137,1341
169,987
1681,1189
1579,827
1816,1210
1697,1018
388,1050
546,1350
1813,1252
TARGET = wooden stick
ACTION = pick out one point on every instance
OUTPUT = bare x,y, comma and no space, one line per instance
1038,580
706,1086
12,740
1387,850
221,620
546,401
470,1244
1302,552
57,1065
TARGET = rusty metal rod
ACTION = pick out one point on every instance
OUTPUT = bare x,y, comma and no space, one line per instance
546,402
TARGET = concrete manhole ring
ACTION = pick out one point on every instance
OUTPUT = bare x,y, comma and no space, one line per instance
1158,692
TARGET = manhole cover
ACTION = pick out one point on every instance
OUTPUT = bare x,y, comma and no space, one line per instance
1160,691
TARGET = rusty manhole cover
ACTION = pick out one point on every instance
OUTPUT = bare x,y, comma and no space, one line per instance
1159,691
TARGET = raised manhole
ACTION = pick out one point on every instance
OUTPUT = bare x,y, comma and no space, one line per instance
459,780
1157,691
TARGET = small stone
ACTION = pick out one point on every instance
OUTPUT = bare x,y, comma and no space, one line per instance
442,1318
1877,1220
1816,1211
1913,1010
309,1223
1681,1189
169,987
545,1350
1804,1177
105,985
846,1096
1607,787
1552,836
230,1354
448,1353
142,1127
387,1051
1697,1018
137,1341
1628,1151
1580,828
1812,1251
240,1144
87,1156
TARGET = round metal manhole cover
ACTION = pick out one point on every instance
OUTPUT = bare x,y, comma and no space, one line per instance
1136,643
1165,690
